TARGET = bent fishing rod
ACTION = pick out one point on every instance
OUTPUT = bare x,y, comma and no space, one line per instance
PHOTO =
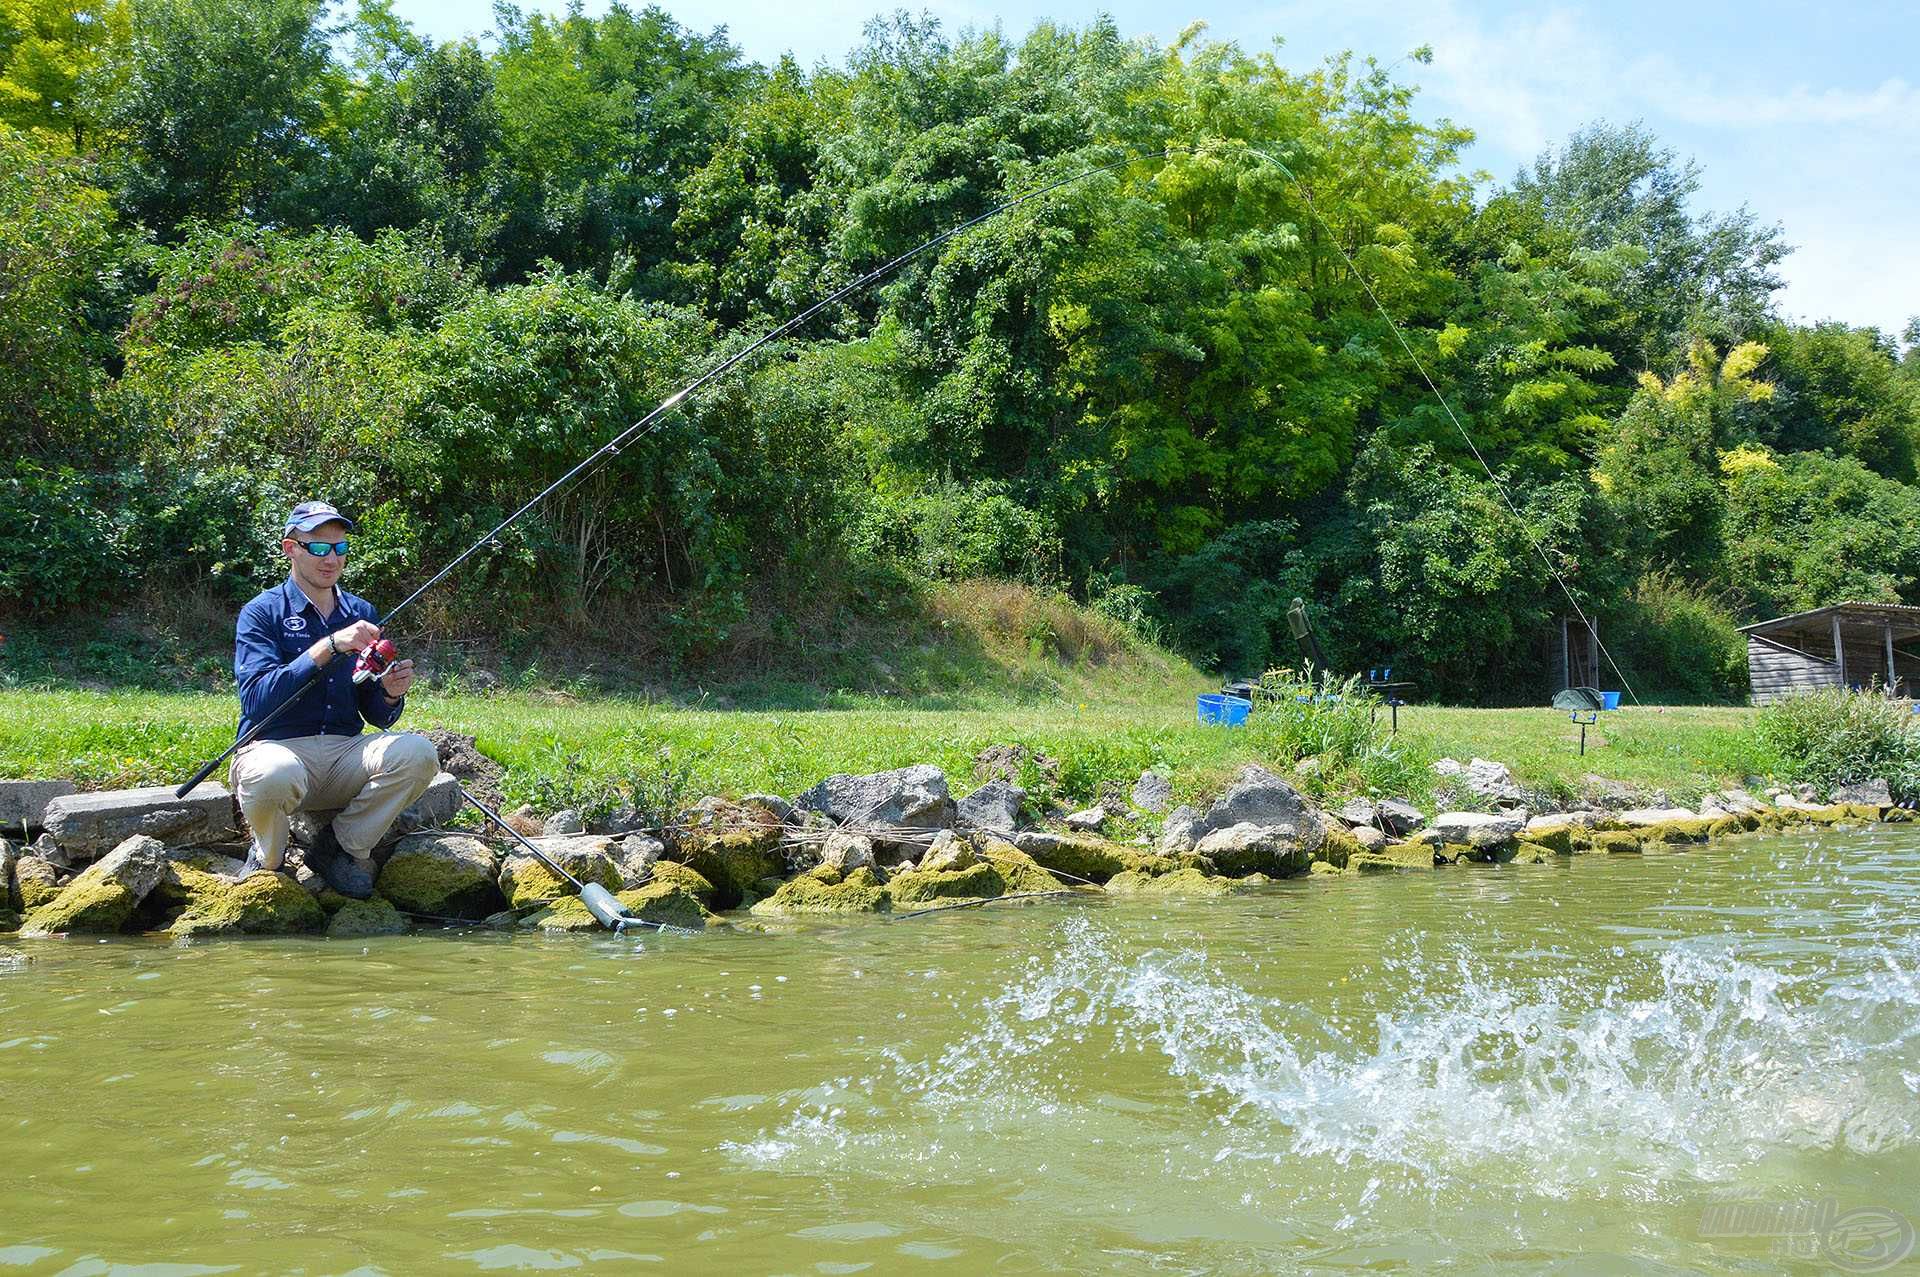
646,424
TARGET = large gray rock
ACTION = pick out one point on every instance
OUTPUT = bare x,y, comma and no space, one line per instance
1399,818
1476,828
847,852
635,856
1369,837
1492,780
1258,797
23,803
1641,817
432,810
1180,832
1565,820
1359,812
948,852
88,825
1278,849
1152,792
1086,822
994,806
1867,793
563,822
910,798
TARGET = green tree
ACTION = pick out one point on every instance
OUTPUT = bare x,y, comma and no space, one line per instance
1703,276
1839,389
59,279
209,104
48,48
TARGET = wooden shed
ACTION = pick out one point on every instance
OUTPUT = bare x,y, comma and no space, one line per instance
1857,645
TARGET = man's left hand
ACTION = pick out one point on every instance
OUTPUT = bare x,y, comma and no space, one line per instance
397,679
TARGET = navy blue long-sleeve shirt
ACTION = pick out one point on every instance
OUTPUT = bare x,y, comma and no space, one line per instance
270,663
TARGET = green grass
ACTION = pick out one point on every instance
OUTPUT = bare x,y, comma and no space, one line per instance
105,739
113,703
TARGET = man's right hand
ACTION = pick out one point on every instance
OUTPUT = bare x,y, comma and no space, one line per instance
356,637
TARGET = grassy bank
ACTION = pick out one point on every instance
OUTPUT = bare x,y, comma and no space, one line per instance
553,745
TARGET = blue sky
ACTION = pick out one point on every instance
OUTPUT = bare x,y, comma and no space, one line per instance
1808,114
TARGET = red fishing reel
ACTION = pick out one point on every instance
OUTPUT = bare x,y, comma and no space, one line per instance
374,660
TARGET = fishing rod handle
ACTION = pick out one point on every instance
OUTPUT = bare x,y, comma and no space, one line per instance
251,735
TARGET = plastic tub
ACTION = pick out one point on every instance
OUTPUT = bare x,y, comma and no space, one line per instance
1218,707
1609,700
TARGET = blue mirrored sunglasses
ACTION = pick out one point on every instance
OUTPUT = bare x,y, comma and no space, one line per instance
321,549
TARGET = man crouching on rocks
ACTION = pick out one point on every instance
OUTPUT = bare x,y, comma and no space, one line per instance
315,757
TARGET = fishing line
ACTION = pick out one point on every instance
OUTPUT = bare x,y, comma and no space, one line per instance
1333,238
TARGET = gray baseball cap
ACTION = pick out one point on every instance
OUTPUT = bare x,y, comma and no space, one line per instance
309,515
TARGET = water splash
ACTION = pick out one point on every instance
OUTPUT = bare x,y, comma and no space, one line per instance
1689,1064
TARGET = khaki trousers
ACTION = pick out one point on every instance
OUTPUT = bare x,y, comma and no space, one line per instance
369,779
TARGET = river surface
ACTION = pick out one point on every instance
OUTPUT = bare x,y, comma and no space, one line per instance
1703,1061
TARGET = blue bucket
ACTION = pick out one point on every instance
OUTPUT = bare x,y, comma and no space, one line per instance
1609,700
1218,707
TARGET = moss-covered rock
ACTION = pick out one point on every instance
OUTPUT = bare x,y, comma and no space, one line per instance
445,875
375,917
679,875
665,903
1557,839
1181,882
1452,853
265,904
1676,832
1320,867
1088,856
1393,857
1900,815
979,881
734,862
1616,841
36,880
1021,873
525,880
1338,846
1533,851
826,890
99,907
1725,827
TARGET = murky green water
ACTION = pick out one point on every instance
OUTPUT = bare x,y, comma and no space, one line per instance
1580,1068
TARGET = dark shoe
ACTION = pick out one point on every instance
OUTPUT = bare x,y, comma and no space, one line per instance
345,874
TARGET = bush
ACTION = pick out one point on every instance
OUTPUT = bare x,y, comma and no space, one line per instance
1680,642
1835,737
1337,723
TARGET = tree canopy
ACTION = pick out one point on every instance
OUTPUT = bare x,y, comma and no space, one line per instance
249,249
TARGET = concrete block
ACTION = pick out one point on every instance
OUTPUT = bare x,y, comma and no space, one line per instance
88,825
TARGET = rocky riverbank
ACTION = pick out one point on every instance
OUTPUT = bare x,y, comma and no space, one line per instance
143,861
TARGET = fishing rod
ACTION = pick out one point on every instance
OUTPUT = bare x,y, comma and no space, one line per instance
601,903
646,424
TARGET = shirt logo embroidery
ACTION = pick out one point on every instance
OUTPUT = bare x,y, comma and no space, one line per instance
296,623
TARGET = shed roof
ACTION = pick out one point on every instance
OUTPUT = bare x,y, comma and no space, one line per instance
1905,619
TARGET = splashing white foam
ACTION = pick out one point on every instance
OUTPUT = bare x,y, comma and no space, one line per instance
1691,1064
